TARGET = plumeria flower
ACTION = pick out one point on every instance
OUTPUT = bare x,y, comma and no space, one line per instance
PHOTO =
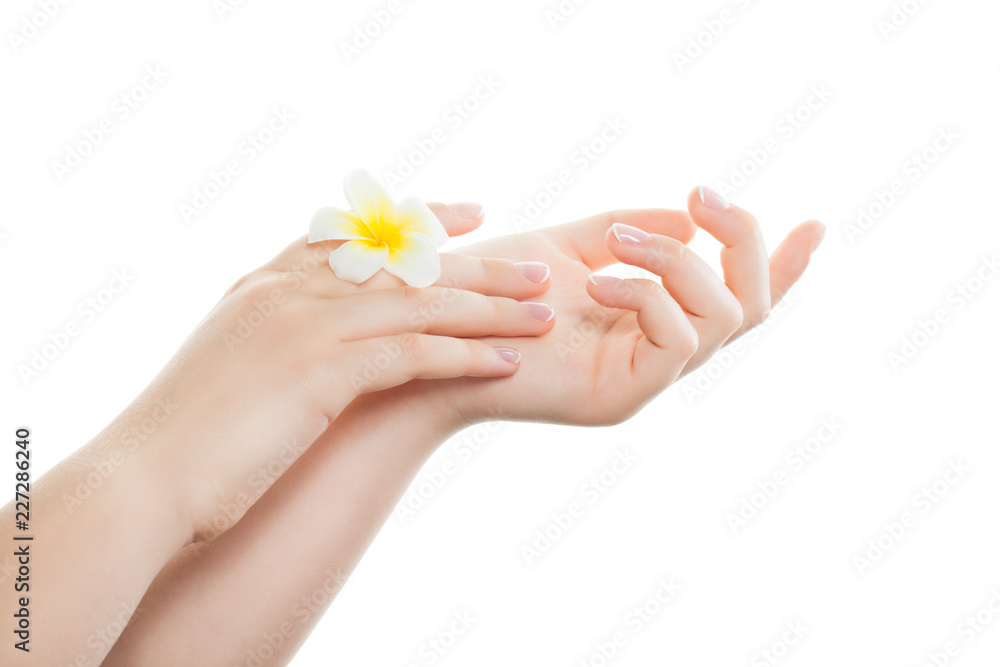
401,238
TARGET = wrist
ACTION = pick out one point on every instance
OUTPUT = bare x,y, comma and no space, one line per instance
115,479
422,411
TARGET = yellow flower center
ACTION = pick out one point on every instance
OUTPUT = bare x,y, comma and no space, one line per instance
385,232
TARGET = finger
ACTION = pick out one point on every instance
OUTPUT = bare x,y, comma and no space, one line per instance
791,258
375,364
711,307
494,277
443,311
669,339
744,257
585,238
459,218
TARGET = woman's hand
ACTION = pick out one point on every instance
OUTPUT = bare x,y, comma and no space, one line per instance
291,345
617,344
599,364
260,379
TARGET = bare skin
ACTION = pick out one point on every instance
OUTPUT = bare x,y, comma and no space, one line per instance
242,403
614,347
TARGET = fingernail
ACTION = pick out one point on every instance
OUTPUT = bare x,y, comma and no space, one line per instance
509,354
466,210
540,311
819,241
629,234
603,280
536,272
712,199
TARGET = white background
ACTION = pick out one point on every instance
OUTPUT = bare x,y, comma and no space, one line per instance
698,454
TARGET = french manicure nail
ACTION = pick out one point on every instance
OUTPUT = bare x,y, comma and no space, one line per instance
600,280
540,311
712,199
629,234
466,210
509,354
536,272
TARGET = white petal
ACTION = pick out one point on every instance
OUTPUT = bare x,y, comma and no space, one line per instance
368,198
334,224
357,261
413,215
415,259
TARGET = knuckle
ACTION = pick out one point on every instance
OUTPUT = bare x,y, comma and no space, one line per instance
256,287
613,217
731,316
471,350
412,345
243,281
655,293
418,297
747,227
665,251
498,307
687,342
495,270
757,317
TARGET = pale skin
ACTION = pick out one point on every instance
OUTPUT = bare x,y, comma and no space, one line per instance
239,406
612,347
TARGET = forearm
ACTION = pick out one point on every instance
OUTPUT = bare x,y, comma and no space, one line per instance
93,554
276,571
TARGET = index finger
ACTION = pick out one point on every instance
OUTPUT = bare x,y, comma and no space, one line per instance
457,219
585,239
744,256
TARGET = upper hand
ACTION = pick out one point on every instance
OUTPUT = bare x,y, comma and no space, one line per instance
616,346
